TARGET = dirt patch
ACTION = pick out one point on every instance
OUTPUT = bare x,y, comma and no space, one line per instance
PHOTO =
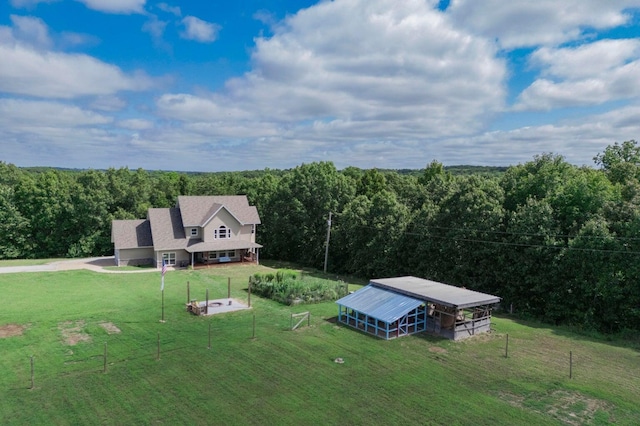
110,327
437,350
73,332
11,330
574,408
571,408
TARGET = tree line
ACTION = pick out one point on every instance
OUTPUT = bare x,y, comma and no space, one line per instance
558,242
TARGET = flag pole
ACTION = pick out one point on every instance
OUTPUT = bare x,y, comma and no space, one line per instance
164,270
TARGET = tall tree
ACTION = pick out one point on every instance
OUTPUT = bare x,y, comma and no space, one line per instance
301,206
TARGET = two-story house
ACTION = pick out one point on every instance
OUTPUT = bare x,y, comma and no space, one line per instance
199,230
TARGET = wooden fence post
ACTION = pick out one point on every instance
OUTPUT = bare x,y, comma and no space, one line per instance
506,348
570,364
229,288
188,293
32,373
254,326
206,306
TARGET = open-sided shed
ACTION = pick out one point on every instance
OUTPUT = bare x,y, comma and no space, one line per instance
394,307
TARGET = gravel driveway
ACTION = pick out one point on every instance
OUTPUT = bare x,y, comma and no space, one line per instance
96,264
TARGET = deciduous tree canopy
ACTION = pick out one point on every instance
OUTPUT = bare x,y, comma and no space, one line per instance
557,242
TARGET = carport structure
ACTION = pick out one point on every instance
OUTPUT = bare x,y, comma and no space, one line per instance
394,307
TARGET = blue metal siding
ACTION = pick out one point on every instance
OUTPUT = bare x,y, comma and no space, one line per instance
379,303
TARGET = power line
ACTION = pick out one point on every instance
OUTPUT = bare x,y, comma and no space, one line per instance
507,243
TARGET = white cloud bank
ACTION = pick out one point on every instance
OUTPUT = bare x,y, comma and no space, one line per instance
590,74
368,83
400,70
526,23
27,68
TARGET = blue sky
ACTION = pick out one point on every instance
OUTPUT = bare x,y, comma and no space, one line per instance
218,86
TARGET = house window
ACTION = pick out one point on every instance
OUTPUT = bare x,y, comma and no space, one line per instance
222,233
169,258
253,229
231,253
194,232
213,255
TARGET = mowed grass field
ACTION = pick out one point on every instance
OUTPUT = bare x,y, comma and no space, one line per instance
64,319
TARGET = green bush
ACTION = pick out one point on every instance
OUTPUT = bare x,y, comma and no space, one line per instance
285,287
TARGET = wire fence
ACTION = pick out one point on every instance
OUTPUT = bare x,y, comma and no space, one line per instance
528,357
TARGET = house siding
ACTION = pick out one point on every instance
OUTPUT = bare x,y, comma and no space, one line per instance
245,234
223,217
135,257
183,258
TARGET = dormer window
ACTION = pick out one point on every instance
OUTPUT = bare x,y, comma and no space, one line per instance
222,233
194,232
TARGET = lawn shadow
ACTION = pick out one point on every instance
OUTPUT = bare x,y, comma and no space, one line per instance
628,339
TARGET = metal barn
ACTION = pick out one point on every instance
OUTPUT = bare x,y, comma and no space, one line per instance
394,307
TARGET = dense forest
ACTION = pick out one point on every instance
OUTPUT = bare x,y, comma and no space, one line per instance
557,242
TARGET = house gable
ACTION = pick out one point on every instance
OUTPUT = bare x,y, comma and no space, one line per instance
222,218
199,210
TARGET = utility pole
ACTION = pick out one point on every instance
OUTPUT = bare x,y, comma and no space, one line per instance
326,249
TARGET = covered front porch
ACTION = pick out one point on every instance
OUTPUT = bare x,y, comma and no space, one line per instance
207,254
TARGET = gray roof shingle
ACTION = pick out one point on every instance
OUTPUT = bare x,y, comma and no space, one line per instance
198,210
167,229
128,234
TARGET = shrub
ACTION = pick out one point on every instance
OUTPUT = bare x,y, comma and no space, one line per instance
285,287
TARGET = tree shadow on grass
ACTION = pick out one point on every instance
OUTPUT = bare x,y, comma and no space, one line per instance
627,339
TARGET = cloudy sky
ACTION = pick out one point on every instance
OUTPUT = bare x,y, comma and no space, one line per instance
243,85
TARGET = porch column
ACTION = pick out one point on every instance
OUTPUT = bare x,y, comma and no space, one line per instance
192,261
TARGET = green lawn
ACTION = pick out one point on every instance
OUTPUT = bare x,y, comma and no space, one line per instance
25,262
281,376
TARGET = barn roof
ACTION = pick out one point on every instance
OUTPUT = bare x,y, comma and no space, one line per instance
435,292
379,303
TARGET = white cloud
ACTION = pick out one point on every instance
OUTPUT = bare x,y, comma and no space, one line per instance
29,115
31,30
70,39
135,124
174,10
28,4
578,140
108,103
587,60
60,75
199,30
115,6
266,17
571,76
154,26
521,23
